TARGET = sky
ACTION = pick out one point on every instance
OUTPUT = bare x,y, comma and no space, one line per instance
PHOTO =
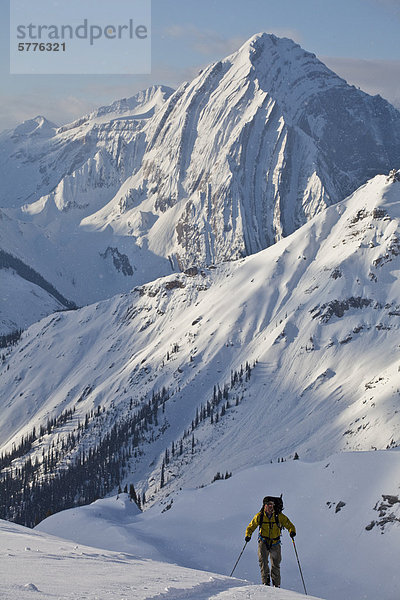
358,39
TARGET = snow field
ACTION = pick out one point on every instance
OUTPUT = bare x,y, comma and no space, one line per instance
39,566
330,503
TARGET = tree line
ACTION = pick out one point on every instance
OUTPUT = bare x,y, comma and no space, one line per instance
66,477
68,474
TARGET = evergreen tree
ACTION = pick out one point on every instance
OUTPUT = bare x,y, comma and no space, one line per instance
162,482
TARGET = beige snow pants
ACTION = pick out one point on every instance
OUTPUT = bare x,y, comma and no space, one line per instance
275,556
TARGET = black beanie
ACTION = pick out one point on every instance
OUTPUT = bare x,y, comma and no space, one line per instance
268,499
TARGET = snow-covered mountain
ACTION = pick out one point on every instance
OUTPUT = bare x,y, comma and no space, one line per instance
250,150
242,156
294,349
37,155
51,179
256,318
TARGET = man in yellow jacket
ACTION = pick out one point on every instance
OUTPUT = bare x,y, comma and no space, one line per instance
269,539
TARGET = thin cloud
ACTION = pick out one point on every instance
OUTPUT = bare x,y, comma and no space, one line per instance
373,76
211,43
205,42
16,108
292,34
393,6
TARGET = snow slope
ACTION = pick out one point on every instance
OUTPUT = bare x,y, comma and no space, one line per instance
17,294
315,317
35,565
331,504
110,550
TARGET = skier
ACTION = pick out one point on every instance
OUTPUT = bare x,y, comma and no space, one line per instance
271,521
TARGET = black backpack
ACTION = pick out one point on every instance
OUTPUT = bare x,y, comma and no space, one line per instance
278,508
278,502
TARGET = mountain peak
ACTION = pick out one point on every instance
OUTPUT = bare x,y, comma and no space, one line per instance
37,126
154,95
287,72
265,38
267,47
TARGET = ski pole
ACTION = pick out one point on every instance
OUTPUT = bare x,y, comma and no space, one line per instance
240,556
298,562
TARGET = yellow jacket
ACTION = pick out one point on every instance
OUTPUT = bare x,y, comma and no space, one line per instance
270,529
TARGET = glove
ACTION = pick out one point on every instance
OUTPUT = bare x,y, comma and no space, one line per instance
292,534
247,538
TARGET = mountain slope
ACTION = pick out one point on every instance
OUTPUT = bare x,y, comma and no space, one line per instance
42,566
23,287
254,354
79,167
37,155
